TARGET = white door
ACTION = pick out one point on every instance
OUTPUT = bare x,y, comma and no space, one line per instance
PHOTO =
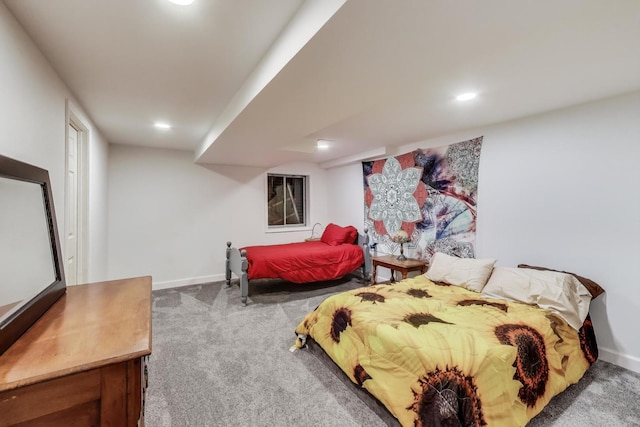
71,212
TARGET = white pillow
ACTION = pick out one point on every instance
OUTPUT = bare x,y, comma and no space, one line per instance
470,273
559,292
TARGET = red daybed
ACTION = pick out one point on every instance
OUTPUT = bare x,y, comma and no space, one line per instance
340,250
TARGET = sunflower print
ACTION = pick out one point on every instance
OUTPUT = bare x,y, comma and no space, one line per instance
444,355
330,325
449,395
494,304
371,296
538,363
532,367
436,361
574,359
588,341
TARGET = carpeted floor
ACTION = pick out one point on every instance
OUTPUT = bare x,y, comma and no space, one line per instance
216,363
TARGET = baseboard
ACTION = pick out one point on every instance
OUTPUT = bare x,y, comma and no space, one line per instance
187,282
626,361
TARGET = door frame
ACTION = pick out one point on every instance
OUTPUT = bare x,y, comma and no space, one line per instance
82,236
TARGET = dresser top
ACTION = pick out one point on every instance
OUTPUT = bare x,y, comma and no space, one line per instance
90,326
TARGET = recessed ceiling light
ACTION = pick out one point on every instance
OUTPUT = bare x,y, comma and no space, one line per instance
466,96
323,144
162,125
182,2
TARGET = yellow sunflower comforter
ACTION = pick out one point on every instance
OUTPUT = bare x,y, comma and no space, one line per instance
442,355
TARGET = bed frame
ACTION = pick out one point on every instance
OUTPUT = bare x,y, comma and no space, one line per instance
237,263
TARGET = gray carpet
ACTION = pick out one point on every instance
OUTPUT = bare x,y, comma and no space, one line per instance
216,363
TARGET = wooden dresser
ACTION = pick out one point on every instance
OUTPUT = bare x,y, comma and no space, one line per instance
83,363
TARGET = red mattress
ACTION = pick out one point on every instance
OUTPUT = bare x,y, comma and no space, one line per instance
303,262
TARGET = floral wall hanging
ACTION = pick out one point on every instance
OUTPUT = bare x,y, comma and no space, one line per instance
431,194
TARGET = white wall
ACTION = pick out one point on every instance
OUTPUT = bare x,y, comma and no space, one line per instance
171,219
33,129
98,195
557,190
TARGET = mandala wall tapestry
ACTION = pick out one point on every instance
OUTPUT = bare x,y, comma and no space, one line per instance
429,193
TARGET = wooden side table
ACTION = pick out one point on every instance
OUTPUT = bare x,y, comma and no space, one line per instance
394,264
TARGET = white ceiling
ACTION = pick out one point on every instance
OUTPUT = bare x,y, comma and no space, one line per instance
254,82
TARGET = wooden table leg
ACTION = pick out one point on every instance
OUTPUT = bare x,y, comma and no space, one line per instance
373,278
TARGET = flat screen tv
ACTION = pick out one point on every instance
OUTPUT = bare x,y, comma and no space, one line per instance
31,273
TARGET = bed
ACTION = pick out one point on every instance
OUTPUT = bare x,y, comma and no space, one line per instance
438,351
338,251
